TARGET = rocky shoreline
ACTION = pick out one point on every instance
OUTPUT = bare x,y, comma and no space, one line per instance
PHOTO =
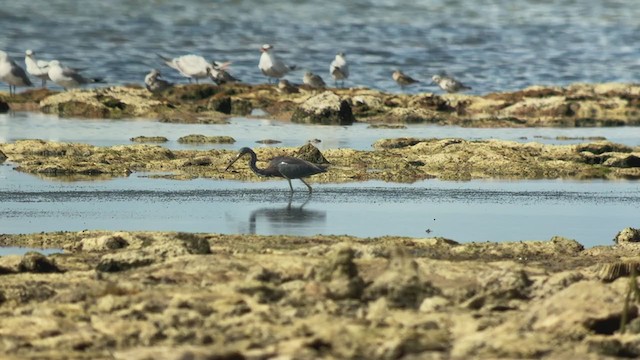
396,160
143,295
609,104
150,295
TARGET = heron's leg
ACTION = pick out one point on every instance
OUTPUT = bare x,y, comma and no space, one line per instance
304,182
290,186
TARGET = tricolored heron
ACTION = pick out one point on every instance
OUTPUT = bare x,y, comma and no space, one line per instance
281,166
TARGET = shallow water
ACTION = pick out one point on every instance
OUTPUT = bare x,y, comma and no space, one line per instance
492,45
248,131
591,212
17,250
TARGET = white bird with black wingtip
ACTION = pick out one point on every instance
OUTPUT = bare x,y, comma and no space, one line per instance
449,84
12,74
270,64
68,77
339,69
37,68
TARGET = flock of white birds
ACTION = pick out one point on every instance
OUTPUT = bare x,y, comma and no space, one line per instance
195,67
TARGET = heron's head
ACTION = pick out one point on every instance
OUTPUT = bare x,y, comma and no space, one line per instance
342,54
243,151
436,79
29,52
266,47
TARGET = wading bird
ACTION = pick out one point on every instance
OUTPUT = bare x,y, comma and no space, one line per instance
270,65
68,77
402,79
154,84
12,74
37,68
313,80
281,166
339,69
449,84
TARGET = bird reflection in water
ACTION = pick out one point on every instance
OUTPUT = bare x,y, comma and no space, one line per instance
284,219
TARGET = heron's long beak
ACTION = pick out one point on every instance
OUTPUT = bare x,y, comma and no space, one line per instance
232,161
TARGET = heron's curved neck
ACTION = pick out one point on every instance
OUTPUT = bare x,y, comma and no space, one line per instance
254,168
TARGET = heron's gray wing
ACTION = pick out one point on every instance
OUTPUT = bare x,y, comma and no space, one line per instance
294,168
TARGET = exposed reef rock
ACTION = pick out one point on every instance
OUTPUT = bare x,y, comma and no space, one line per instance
397,160
203,139
143,295
326,108
608,104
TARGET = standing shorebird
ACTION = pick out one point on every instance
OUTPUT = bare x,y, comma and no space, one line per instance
37,68
68,77
287,167
154,84
12,74
194,66
402,79
339,69
284,86
270,65
220,75
449,84
313,80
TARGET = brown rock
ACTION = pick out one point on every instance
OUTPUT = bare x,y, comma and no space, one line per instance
627,235
326,108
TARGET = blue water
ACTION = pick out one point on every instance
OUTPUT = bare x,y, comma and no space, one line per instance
246,132
492,45
591,212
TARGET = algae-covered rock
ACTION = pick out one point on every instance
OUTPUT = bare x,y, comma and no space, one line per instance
401,284
111,102
203,139
3,157
326,108
340,274
35,262
149,139
627,235
311,154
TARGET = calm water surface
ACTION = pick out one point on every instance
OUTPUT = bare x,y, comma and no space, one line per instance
493,45
248,131
591,212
